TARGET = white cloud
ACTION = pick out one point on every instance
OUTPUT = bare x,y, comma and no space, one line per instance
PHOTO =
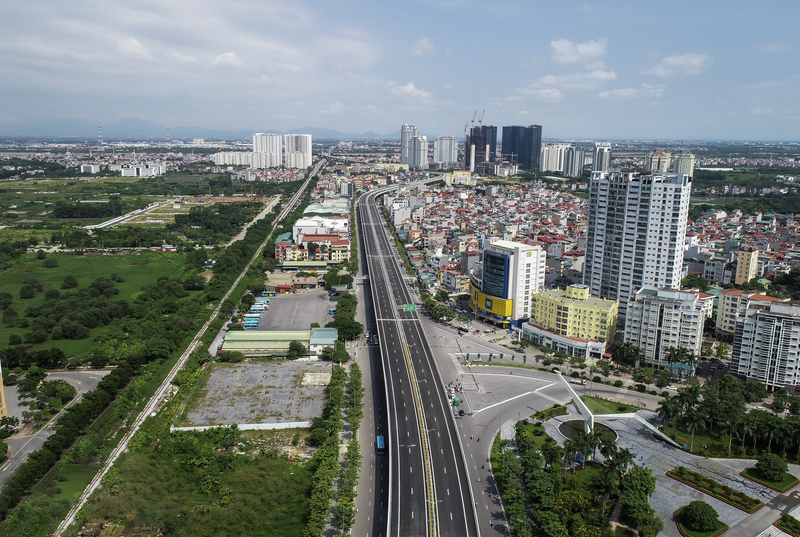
423,47
686,64
332,108
566,51
133,49
579,80
227,59
761,111
409,90
633,93
545,94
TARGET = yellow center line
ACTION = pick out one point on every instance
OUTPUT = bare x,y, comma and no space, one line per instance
426,459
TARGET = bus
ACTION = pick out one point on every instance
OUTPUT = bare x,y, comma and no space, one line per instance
380,447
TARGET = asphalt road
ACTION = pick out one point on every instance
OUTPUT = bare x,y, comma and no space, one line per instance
430,492
22,446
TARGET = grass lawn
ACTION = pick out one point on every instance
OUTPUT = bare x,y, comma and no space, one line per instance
783,485
789,524
705,442
721,527
581,480
708,486
602,406
73,479
540,438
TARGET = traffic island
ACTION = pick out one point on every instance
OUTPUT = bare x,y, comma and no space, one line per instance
724,493
753,474
686,531
789,524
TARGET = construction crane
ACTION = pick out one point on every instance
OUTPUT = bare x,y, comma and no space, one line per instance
473,119
465,127
480,121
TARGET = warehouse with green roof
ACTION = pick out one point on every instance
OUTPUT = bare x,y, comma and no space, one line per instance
268,343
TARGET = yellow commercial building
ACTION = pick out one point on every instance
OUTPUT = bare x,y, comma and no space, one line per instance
573,313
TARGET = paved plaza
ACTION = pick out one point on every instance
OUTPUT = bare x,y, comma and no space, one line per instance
671,494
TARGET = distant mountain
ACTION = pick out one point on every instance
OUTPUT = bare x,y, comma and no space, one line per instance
140,129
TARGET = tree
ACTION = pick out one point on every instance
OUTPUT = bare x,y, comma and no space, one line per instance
628,354
723,350
605,369
699,516
69,282
3,450
5,300
605,485
754,391
50,263
772,466
668,411
780,398
693,421
695,280
296,350
27,292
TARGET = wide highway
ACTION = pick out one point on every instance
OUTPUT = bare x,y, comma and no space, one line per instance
429,491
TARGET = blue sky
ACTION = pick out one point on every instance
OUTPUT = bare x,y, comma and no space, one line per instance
726,70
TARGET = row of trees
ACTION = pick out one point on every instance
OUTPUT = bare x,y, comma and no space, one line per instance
325,431
345,318
68,428
345,507
722,410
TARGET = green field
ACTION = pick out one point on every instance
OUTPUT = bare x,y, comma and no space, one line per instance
603,406
136,270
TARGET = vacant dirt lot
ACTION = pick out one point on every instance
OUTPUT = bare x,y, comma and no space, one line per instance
258,392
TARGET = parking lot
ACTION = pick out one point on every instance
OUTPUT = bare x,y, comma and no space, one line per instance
297,311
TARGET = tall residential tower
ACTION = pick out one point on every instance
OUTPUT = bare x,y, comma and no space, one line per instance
636,231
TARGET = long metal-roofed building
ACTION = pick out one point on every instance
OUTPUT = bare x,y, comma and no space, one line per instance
268,343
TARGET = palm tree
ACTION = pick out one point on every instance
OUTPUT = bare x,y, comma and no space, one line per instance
749,426
605,485
621,461
570,448
608,448
689,397
582,446
629,354
693,421
668,411
594,440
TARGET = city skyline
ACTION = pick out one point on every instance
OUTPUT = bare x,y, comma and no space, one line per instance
605,71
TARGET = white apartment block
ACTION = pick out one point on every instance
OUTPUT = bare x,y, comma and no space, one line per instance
662,318
602,156
232,158
298,151
418,152
407,132
636,233
267,150
766,346
445,150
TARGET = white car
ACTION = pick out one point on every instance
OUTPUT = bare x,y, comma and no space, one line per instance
671,387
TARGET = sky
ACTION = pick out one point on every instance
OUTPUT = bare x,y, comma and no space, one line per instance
686,70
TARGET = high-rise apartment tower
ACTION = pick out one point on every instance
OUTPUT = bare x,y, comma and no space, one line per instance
636,231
